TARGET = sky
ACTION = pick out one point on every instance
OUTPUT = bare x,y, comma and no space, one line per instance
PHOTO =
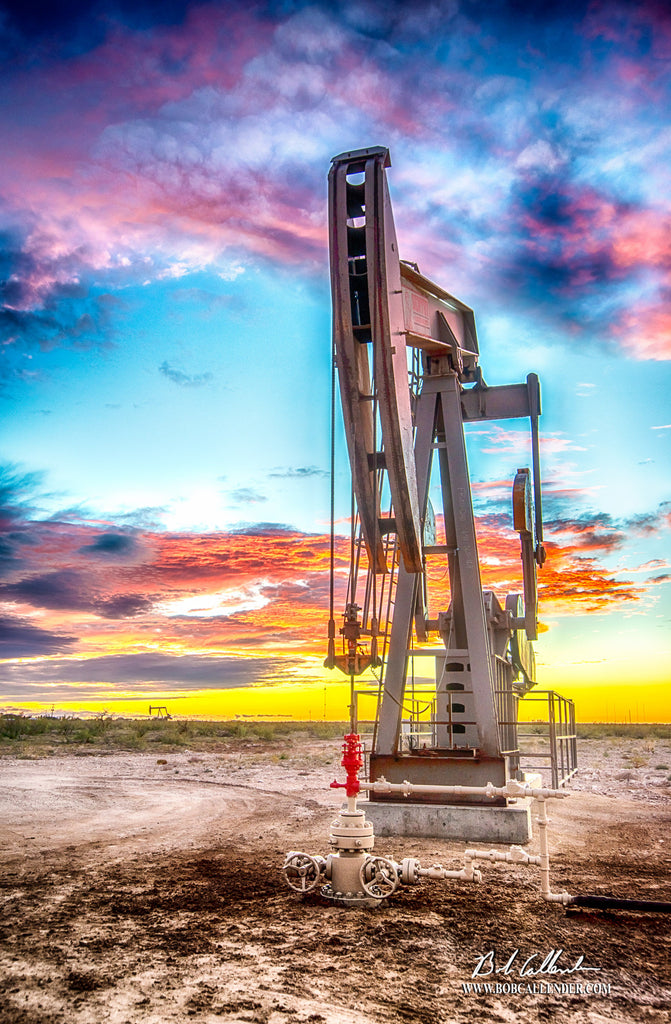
165,330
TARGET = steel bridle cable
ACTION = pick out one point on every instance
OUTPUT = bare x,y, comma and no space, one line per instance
332,470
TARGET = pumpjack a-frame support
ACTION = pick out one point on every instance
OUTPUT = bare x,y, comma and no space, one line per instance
473,673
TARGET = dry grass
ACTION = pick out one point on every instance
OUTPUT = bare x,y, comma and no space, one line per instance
28,736
43,735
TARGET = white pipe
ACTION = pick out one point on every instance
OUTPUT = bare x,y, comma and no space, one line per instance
511,789
465,874
515,855
546,893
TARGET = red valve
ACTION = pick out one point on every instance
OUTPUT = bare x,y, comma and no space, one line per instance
352,760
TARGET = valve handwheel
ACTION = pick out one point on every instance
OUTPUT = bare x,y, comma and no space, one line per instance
302,872
378,877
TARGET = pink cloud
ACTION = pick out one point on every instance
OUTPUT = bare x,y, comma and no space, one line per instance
518,442
627,26
646,334
206,145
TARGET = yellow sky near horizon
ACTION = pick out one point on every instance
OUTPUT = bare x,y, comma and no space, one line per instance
600,702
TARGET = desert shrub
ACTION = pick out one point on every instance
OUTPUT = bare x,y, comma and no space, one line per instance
129,739
237,729
264,731
327,730
635,761
160,733
11,727
633,731
83,735
143,726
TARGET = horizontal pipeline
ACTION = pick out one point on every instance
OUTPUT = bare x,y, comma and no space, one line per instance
511,789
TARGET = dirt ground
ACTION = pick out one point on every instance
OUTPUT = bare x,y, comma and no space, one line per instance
139,891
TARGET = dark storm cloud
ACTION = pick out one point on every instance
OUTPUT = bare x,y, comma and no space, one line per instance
68,316
85,20
601,530
17,497
69,590
591,531
123,606
561,252
298,473
646,522
146,671
247,496
62,590
313,593
586,531
110,544
262,529
148,518
513,102
184,380
71,27
33,268
17,492
19,639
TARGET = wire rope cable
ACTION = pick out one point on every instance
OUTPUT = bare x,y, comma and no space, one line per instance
332,494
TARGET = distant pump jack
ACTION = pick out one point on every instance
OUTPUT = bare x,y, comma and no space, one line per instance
160,710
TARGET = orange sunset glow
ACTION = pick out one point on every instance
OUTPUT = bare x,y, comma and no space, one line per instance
251,607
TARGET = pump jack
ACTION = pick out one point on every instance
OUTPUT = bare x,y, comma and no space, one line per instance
395,418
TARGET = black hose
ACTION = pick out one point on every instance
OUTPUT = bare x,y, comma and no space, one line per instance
610,903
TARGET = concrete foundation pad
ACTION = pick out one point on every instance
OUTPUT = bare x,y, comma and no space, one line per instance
441,821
